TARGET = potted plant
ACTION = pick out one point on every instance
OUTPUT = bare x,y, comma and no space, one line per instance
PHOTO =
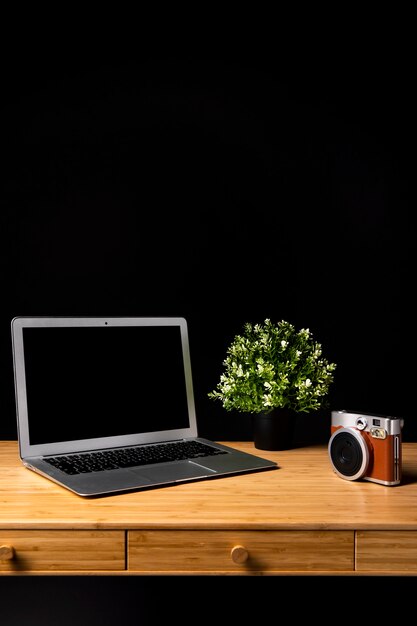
274,371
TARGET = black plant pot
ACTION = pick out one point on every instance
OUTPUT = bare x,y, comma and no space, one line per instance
274,430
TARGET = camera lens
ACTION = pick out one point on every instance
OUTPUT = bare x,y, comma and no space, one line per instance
348,453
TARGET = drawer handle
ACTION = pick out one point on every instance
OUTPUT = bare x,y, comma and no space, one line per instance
6,552
239,554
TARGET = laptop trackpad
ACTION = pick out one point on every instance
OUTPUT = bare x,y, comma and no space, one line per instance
173,472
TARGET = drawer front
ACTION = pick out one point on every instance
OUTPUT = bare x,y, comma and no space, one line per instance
61,550
240,551
382,550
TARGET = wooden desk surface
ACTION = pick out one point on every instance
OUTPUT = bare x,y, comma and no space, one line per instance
303,493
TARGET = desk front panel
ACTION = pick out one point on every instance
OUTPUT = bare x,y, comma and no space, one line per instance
382,551
61,550
230,551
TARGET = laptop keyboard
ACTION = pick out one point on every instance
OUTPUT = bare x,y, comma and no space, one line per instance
131,457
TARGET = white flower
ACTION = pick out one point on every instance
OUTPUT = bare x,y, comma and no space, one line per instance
257,374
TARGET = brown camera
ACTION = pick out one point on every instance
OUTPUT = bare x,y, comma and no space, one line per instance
367,446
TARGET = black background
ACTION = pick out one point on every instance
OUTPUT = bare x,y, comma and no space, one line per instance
272,181
226,191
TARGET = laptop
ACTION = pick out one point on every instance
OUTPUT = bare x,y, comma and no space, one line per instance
106,405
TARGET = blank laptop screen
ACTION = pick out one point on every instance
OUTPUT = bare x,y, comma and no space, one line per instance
84,383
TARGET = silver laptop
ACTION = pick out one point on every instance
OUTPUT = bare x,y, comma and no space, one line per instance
106,405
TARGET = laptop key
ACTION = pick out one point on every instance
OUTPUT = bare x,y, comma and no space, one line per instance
132,457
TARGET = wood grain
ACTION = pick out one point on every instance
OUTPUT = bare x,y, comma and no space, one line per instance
205,551
299,518
64,550
303,493
379,551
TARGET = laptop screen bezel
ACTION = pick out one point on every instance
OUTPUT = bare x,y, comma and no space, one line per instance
26,449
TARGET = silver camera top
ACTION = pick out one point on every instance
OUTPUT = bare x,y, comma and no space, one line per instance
379,426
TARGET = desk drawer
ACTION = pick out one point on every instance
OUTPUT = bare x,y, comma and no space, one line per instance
385,550
61,550
240,551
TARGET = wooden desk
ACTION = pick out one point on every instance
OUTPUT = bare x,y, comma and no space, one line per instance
298,519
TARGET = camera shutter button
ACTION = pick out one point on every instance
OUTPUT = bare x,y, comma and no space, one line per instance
361,423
